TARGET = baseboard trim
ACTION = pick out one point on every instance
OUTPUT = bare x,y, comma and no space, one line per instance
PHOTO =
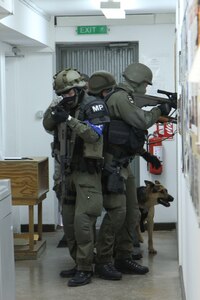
164,226
52,227
182,283
45,227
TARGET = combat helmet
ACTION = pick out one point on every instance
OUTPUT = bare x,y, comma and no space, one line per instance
138,73
66,80
99,81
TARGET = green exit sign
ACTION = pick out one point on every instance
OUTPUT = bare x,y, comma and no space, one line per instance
100,29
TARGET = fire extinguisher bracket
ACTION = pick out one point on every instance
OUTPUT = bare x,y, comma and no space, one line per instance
156,148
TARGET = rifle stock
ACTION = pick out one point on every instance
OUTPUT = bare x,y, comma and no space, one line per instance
148,100
62,132
164,119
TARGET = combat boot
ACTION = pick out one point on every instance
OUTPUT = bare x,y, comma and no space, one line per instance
68,273
129,266
80,278
107,271
136,256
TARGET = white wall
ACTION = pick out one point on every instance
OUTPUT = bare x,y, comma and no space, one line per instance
29,90
31,23
188,227
26,88
188,237
2,97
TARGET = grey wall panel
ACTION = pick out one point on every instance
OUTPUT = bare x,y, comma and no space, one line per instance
90,58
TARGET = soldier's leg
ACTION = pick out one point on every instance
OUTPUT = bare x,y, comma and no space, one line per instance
124,239
89,204
113,220
66,206
68,211
115,205
68,225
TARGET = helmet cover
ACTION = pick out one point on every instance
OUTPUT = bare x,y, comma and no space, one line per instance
100,81
67,79
138,73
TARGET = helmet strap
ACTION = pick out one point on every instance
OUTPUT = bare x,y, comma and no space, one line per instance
141,88
71,102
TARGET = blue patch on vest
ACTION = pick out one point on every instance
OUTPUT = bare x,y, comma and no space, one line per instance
97,128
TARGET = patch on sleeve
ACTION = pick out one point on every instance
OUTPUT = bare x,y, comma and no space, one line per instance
97,128
97,112
130,99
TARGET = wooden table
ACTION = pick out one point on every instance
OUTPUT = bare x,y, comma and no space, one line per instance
29,186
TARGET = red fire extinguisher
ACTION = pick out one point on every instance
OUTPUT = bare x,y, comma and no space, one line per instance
156,148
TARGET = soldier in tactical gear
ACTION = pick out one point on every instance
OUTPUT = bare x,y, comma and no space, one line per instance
100,82
123,139
77,122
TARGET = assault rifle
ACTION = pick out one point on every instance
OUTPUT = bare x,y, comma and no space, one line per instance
148,100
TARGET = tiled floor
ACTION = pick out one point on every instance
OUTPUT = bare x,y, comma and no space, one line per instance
39,279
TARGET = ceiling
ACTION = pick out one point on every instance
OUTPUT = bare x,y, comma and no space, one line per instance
92,7
83,8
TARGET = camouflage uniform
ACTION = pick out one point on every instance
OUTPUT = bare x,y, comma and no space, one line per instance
82,195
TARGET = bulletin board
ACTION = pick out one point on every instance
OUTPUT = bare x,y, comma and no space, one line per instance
189,105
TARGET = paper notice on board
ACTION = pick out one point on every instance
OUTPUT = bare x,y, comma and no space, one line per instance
158,68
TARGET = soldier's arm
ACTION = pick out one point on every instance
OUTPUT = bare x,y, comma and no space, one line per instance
136,116
83,129
96,115
48,122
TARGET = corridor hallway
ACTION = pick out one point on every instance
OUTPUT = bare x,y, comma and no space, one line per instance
39,279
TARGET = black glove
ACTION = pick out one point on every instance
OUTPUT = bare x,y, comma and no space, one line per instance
152,159
165,109
59,115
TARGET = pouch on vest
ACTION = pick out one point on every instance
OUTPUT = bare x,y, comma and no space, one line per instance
137,138
129,137
118,132
94,150
114,181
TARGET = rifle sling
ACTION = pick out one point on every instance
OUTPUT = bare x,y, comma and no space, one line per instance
66,144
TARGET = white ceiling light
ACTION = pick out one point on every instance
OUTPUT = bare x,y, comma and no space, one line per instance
112,9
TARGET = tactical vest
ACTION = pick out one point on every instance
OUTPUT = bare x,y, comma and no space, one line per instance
81,155
122,139
95,111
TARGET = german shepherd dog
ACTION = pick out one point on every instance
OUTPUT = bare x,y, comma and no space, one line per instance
149,196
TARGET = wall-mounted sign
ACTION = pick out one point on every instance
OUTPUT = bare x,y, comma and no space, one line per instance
98,29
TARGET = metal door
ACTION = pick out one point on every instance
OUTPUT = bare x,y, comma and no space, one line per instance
88,58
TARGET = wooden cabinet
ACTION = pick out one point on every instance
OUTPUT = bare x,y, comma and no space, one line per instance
29,177
29,185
